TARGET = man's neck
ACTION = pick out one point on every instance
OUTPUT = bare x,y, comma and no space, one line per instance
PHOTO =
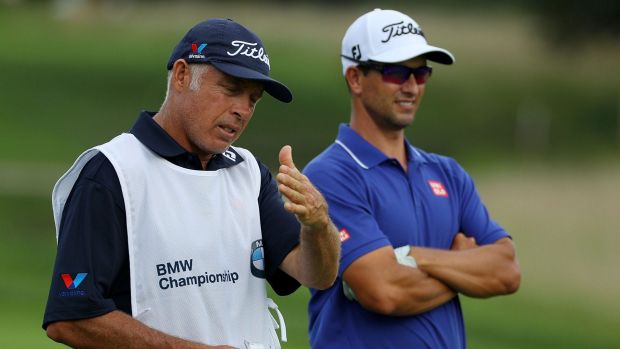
390,142
175,131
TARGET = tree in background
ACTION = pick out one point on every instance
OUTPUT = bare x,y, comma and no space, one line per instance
566,22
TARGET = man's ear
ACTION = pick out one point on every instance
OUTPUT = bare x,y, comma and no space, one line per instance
180,78
353,75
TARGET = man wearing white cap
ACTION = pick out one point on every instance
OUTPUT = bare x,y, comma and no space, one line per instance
414,231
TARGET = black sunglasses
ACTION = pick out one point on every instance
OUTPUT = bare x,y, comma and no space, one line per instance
399,74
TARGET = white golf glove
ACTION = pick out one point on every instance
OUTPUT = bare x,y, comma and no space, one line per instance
402,256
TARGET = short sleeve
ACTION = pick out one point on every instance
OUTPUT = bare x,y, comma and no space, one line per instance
475,218
91,270
350,209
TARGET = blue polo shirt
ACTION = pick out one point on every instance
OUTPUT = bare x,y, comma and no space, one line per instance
93,232
375,203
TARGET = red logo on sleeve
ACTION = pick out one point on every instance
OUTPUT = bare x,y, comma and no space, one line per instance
438,188
344,235
73,283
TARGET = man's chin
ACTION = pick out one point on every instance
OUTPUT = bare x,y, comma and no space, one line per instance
396,122
402,123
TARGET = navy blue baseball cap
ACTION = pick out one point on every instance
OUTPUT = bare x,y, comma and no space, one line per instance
232,49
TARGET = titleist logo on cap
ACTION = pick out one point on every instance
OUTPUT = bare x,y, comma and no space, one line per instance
398,29
249,49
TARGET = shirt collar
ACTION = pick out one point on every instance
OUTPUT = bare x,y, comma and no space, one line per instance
160,142
365,154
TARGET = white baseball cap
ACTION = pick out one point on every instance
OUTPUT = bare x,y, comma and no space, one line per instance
387,36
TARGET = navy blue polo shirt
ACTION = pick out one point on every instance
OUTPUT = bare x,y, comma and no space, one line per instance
375,203
93,232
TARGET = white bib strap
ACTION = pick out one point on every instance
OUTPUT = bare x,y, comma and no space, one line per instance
282,325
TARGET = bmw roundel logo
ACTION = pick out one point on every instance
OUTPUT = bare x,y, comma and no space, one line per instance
257,259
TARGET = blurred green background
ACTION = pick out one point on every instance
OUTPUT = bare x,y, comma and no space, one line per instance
531,108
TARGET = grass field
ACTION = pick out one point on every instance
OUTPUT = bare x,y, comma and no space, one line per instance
562,219
71,82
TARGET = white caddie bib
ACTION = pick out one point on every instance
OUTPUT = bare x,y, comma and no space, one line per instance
195,245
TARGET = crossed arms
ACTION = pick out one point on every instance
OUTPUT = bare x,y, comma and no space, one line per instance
386,287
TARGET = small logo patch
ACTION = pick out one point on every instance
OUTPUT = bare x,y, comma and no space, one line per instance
257,259
72,283
438,188
356,52
229,154
344,235
197,51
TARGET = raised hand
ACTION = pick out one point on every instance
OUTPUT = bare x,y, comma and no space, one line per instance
301,197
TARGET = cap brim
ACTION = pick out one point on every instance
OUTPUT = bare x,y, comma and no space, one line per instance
275,88
432,53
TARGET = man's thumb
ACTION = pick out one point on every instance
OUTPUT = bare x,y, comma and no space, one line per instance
286,156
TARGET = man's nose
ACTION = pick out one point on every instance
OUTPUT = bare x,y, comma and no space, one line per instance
411,85
244,108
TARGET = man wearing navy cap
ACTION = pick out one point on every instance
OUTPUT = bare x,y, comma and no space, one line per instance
415,234
167,234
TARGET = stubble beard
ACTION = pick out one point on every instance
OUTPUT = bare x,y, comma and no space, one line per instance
198,138
389,121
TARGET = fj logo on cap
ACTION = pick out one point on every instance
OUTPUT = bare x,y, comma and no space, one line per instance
197,51
398,29
356,52
249,49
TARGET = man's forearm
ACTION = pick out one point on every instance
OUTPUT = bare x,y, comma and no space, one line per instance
115,330
423,294
318,256
384,286
484,271
314,263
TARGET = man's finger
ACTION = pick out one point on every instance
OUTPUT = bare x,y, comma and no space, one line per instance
291,194
286,156
300,210
289,180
